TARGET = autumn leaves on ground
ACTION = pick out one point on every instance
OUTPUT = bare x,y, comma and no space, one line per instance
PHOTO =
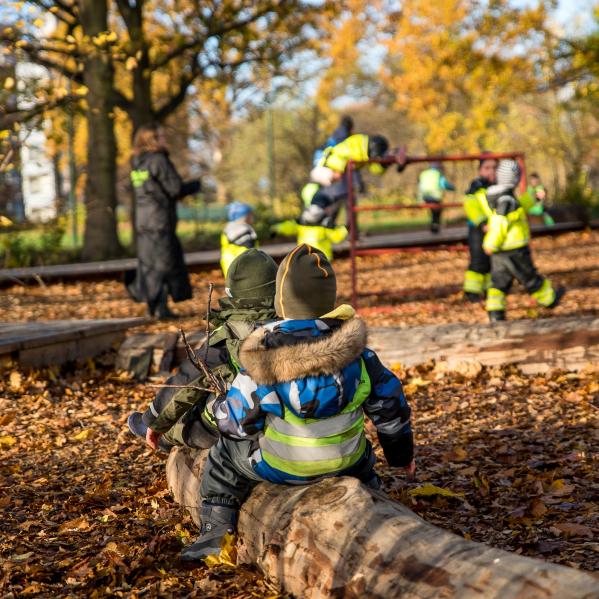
503,458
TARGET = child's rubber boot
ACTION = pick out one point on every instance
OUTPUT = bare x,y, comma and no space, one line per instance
473,297
559,293
139,428
217,536
496,315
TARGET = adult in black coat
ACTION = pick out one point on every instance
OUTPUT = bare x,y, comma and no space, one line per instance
161,269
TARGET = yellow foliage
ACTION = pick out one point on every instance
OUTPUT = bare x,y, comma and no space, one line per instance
455,72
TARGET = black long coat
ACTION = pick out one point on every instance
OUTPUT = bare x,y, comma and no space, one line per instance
158,187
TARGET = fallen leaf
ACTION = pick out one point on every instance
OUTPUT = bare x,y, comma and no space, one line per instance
7,441
15,380
559,488
457,454
76,524
21,557
537,508
82,436
428,490
574,529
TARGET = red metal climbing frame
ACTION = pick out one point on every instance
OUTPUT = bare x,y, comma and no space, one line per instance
354,209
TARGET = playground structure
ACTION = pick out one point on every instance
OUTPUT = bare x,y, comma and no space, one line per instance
401,158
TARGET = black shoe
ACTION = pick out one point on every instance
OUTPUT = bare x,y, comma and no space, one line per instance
496,315
139,428
472,297
559,293
435,228
163,313
218,521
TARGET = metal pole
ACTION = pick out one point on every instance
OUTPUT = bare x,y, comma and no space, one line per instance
270,148
352,232
72,167
523,170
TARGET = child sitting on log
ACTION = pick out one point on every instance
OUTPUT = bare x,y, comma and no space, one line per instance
295,413
506,241
184,416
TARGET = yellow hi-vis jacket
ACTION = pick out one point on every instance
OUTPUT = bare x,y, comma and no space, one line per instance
355,148
507,227
477,207
237,238
317,236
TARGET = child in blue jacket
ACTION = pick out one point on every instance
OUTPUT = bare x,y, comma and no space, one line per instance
295,413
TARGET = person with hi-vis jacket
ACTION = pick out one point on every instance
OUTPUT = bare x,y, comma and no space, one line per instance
432,186
477,277
506,241
329,188
238,235
323,197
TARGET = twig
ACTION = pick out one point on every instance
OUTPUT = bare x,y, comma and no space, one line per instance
181,387
208,313
217,383
190,353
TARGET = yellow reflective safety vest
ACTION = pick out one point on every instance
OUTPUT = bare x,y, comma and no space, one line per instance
228,252
508,232
317,236
477,207
308,192
355,148
307,447
429,184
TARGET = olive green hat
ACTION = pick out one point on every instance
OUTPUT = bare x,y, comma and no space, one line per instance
306,285
251,275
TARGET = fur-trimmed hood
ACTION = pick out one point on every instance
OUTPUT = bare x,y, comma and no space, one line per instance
323,354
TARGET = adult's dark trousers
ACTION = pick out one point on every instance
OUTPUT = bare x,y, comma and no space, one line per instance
479,261
161,270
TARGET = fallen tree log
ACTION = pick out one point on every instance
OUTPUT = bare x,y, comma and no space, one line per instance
533,345
339,539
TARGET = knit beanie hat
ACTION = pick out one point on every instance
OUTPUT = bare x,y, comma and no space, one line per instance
251,275
508,173
238,210
306,285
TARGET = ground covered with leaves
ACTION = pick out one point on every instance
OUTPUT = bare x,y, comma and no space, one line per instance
503,458
405,289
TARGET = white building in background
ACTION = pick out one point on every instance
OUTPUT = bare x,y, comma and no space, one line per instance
38,179
37,168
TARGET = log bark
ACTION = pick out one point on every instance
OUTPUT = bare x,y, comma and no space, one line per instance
339,539
533,345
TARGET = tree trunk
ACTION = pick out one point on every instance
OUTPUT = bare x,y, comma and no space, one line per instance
100,238
339,539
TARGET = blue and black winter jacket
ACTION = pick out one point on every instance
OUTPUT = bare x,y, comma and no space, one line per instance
302,395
